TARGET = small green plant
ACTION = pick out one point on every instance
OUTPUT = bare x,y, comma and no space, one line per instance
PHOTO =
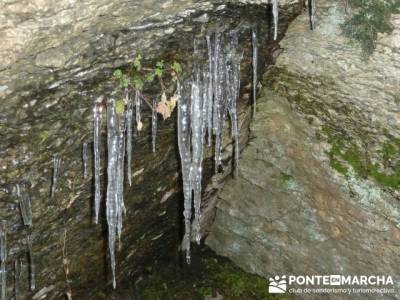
371,17
137,76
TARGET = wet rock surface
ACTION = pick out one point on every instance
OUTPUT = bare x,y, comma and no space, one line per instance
321,171
56,60
208,277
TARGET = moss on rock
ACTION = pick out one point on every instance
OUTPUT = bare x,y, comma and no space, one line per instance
371,18
344,154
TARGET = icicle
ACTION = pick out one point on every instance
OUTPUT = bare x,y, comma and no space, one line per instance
184,151
313,10
24,204
138,102
120,174
275,13
31,264
56,170
84,159
96,154
219,109
198,118
232,70
255,66
209,100
129,117
154,124
3,260
17,274
112,203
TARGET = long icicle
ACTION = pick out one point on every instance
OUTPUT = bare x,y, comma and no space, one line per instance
138,104
232,69
209,100
85,159
32,281
313,10
198,119
255,66
129,118
24,204
112,186
219,109
275,13
120,174
96,154
56,171
185,153
3,259
17,274
154,124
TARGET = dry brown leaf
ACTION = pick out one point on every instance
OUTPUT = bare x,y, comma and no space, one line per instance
139,125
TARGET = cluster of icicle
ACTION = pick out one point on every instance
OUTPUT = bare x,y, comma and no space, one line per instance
119,145
21,192
203,106
115,177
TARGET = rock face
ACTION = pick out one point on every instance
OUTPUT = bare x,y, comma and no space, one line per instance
56,59
321,171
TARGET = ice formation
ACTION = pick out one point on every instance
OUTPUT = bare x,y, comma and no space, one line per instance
153,124
96,154
32,282
203,105
3,260
17,274
115,177
198,113
219,111
183,120
24,204
313,10
255,66
232,75
129,118
138,104
210,89
275,13
120,174
56,171
85,159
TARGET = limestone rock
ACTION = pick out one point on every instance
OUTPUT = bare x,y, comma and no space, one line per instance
319,188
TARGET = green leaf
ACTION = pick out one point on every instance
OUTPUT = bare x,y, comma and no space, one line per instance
137,62
120,107
117,73
125,80
160,64
158,72
176,67
150,77
138,83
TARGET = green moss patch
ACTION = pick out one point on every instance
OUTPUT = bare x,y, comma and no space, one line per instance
345,153
371,17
